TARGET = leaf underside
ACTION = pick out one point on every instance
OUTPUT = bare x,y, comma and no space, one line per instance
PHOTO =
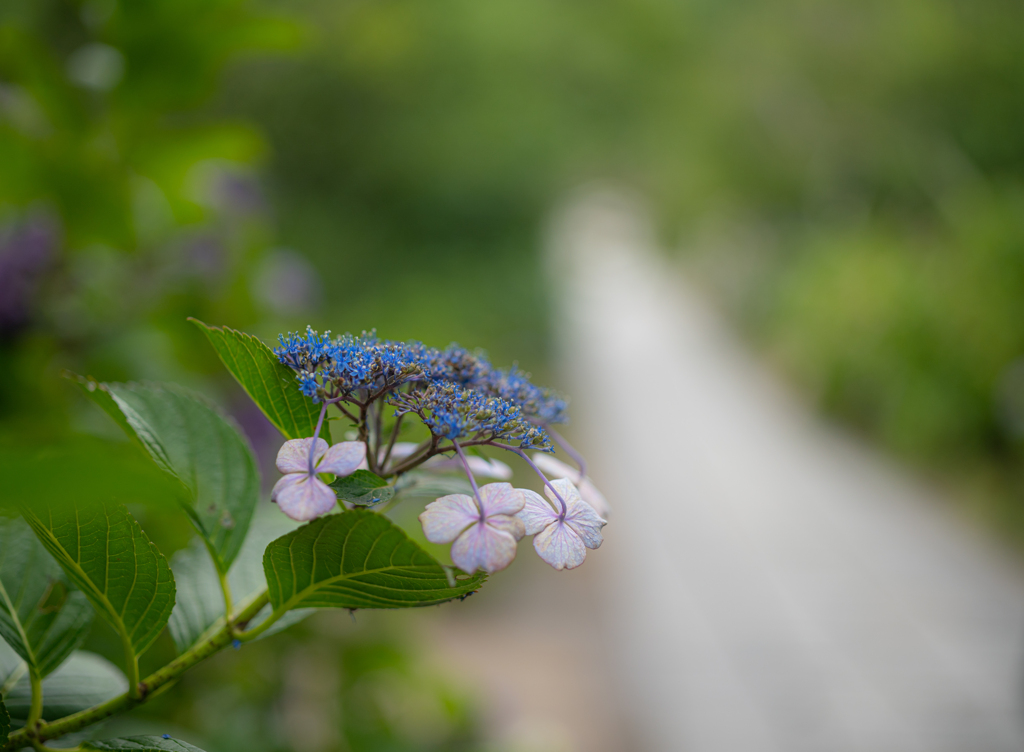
357,559
83,681
141,744
270,384
108,556
192,440
41,617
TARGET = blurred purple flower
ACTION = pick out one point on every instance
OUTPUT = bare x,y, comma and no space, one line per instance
27,249
287,283
205,256
262,434
239,194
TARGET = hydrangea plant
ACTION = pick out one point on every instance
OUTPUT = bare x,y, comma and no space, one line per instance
415,420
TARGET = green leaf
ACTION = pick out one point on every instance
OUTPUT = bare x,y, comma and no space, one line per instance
141,744
105,553
270,384
195,442
357,559
85,680
363,488
41,617
5,723
199,607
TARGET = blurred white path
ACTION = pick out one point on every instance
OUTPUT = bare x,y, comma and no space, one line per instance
773,588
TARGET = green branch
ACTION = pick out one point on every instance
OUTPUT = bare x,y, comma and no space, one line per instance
220,639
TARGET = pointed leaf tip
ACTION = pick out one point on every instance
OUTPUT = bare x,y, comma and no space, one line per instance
269,383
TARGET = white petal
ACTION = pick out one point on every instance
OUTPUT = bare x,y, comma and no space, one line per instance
483,547
501,498
586,523
401,450
480,467
343,458
448,516
536,513
303,498
293,457
560,547
489,468
555,468
595,498
565,489
511,525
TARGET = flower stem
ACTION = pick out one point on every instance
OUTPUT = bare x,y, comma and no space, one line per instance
146,688
391,441
569,449
316,435
35,711
537,470
472,480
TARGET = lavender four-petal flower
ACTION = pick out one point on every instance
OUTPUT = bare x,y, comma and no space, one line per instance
588,491
484,536
561,541
301,494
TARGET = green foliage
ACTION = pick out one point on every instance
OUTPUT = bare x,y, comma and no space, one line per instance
5,722
41,617
363,488
357,559
108,556
141,744
196,443
199,606
85,680
269,383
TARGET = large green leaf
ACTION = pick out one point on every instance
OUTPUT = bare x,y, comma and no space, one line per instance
199,606
105,553
41,617
357,559
270,384
141,744
83,681
195,442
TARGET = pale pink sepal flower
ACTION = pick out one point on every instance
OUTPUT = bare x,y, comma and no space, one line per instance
483,537
561,543
588,491
302,495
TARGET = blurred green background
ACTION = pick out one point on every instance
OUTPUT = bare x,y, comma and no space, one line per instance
848,178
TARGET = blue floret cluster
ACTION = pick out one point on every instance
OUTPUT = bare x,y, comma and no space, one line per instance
456,392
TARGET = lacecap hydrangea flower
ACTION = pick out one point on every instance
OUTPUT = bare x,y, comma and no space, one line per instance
561,538
462,401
